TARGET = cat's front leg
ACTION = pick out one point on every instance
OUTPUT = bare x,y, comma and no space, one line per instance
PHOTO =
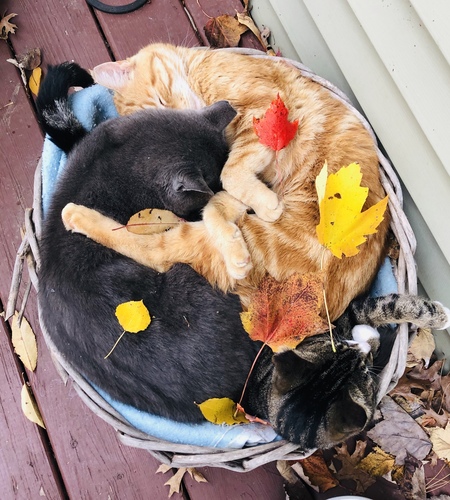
219,216
240,178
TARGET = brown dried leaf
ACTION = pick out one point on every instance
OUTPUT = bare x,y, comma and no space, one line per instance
152,220
31,59
399,434
421,348
431,374
224,31
174,483
316,471
350,469
245,20
445,387
431,418
196,475
412,484
24,342
6,27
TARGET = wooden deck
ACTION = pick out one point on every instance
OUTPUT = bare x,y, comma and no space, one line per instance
78,455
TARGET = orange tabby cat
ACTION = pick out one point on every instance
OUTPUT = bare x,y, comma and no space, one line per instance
230,247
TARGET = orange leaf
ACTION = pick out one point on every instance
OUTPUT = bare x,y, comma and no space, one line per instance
274,129
283,314
316,470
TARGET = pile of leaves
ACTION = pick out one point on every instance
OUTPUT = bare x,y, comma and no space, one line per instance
406,453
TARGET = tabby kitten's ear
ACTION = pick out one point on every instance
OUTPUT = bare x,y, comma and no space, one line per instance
113,75
219,114
347,416
290,370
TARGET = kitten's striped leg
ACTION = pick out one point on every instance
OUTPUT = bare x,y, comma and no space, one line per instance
219,216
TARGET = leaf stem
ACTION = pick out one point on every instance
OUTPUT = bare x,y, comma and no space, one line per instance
248,378
114,346
330,327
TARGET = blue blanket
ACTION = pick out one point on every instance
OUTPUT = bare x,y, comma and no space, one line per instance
92,106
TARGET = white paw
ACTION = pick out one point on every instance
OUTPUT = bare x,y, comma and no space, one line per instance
447,312
363,335
271,209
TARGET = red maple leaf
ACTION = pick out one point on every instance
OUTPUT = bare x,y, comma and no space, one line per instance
283,314
274,129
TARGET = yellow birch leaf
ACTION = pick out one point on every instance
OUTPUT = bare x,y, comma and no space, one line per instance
343,227
221,411
29,407
35,80
152,220
24,342
133,316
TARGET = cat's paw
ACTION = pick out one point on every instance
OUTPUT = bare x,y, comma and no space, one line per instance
446,323
75,218
236,256
268,208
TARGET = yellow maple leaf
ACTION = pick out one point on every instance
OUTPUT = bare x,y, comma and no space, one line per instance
343,227
222,411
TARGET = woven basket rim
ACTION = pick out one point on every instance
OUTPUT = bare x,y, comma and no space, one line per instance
246,459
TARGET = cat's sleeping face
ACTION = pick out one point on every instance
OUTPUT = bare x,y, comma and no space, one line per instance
320,397
154,78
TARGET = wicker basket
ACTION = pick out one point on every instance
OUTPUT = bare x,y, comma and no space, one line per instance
241,460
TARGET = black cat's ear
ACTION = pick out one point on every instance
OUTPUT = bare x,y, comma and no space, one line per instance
289,370
219,114
185,183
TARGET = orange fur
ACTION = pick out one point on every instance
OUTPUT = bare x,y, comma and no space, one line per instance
281,238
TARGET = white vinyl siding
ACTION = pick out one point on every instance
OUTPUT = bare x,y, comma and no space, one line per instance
392,58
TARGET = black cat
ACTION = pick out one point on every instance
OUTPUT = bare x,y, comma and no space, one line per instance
195,347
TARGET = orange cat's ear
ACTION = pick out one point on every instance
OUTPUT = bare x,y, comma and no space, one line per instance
113,75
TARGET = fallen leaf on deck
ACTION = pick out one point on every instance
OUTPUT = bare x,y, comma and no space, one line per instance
283,314
6,27
30,60
222,411
35,80
343,227
174,482
349,466
29,406
24,342
224,31
152,220
399,434
247,21
274,129
315,471
421,348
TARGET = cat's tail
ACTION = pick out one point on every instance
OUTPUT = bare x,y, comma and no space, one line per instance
55,114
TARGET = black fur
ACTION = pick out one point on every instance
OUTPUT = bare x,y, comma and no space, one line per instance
195,347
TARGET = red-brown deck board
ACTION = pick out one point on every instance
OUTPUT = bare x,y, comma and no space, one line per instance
79,455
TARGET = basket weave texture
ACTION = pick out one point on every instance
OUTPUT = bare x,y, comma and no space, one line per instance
246,459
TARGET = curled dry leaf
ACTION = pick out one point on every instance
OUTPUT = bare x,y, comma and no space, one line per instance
421,348
224,31
152,220
30,60
35,80
315,472
440,439
349,466
377,463
24,342
6,27
29,406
